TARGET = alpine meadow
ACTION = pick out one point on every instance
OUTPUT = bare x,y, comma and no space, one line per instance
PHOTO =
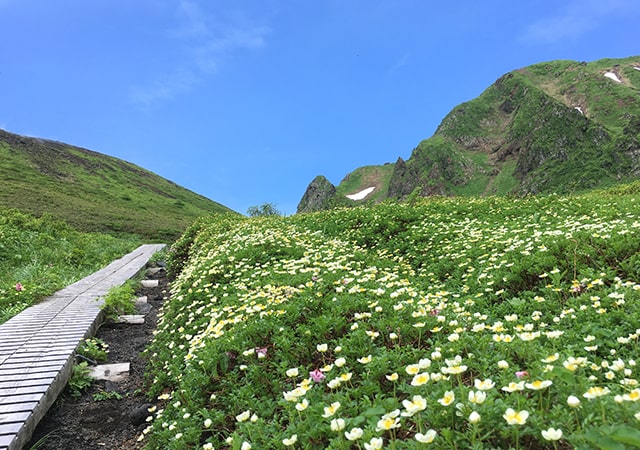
495,322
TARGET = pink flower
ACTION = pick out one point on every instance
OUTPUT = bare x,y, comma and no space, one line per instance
316,375
19,287
522,374
262,352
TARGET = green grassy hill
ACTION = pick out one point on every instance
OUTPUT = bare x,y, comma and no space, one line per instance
94,192
560,126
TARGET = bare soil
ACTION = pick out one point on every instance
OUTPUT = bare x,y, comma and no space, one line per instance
85,423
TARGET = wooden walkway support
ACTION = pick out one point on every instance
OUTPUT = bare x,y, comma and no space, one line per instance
37,347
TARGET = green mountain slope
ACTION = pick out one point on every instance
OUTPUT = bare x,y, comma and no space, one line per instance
561,126
93,191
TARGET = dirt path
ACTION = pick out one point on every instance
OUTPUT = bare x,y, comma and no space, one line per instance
87,424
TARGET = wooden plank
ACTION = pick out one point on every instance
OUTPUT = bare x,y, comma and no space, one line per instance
110,372
16,416
149,283
21,398
29,376
37,346
7,385
11,391
10,428
26,370
131,319
17,407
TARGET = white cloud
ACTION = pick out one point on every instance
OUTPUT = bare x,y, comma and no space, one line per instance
193,21
165,88
401,62
577,18
210,53
206,43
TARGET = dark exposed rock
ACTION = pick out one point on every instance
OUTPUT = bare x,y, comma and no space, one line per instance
318,195
139,414
403,181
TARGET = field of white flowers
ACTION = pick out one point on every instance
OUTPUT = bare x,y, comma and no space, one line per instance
448,323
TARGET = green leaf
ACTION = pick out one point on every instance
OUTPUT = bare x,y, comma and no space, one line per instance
601,441
626,434
374,411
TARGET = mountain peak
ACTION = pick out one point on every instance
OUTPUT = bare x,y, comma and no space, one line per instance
558,126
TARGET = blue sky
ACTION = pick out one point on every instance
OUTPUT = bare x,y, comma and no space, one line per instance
245,102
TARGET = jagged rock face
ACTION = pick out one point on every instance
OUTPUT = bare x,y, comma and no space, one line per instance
403,181
318,195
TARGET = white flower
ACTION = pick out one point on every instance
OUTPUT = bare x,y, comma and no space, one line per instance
337,424
552,434
292,373
302,405
208,423
322,347
416,404
420,379
447,399
484,385
538,384
595,392
290,441
389,421
373,444
426,438
242,417
474,417
477,397
515,417
331,410
424,363
354,434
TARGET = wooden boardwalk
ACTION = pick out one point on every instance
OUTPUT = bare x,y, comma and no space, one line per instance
37,347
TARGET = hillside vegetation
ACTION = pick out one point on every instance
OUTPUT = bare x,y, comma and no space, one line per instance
94,192
40,255
560,126
461,322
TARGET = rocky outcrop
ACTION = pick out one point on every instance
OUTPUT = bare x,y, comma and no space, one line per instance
561,126
318,195
403,181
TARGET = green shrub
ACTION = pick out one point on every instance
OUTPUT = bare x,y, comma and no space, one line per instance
80,380
94,349
119,301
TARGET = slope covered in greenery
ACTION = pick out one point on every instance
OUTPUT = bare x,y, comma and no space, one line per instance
461,322
93,191
39,256
560,126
